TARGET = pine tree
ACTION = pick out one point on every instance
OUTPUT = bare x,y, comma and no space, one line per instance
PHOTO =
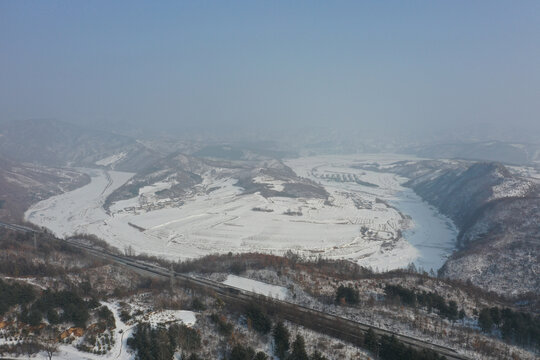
260,356
370,341
298,349
495,315
452,310
485,321
240,352
281,340
317,356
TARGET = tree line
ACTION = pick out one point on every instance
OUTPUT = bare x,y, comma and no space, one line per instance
427,300
157,343
515,327
389,348
14,294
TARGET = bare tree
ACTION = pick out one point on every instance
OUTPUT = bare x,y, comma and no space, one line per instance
50,350
129,251
49,342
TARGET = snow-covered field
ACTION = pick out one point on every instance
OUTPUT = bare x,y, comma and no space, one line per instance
258,287
111,159
428,237
359,222
80,210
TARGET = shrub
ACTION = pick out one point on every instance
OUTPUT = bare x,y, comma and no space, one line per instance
347,294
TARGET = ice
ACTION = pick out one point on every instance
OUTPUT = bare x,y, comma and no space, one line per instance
431,233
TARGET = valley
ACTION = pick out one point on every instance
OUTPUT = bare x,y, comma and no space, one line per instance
373,220
261,180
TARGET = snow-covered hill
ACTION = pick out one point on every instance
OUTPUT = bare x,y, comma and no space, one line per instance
24,184
497,211
57,143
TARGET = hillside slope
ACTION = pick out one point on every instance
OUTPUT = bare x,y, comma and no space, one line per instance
22,185
174,177
57,143
497,214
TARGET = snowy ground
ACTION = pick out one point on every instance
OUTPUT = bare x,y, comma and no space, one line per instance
111,159
217,218
68,351
121,334
257,287
428,236
171,316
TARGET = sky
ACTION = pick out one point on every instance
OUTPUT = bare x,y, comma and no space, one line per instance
368,67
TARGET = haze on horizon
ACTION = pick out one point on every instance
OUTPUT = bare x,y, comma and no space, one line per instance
420,67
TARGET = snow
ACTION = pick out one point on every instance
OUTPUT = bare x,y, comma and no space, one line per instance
431,233
428,236
169,316
80,210
274,184
121,334
110,160
223,219
118,351
511,188
28,280
152,189
257,287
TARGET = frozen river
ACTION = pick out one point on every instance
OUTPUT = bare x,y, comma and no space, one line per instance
431,233
401,228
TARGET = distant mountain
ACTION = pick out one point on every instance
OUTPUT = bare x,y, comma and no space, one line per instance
243,151
505,152
58,143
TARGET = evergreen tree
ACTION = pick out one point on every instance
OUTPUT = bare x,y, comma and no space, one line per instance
298,349
347,294
281,340
462,314
370,341
485,321
260,356
240,352
317,356
53,317
452,310
259,320
495,315
34,318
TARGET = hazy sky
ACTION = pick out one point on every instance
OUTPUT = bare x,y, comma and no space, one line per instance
352,65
